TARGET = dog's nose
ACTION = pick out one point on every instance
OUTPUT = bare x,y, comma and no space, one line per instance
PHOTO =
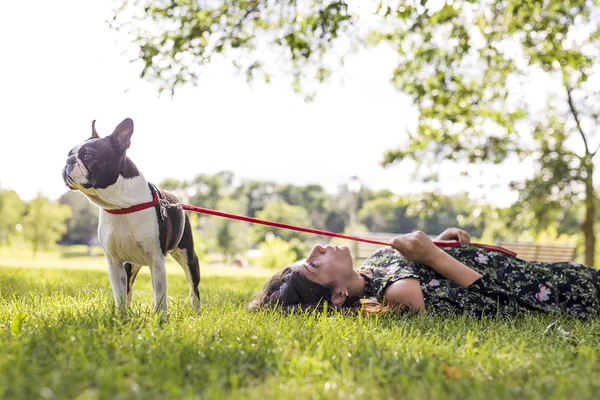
71,160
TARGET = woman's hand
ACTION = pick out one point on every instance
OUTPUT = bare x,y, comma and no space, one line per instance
416,246
455,234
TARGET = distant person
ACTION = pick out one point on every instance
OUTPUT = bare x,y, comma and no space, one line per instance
416,275
239,262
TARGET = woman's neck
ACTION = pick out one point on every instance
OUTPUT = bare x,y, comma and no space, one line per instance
356,286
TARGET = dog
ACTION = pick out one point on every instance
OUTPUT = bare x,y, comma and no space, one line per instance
136,226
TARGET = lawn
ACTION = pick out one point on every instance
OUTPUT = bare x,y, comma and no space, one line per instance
60,337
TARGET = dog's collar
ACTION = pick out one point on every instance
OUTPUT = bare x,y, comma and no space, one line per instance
139,207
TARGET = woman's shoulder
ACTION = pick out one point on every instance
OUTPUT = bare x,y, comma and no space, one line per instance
382,269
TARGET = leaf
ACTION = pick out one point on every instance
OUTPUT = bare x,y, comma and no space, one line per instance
451,372
17,323
89,394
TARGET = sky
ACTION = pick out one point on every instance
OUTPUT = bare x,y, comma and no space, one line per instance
62,67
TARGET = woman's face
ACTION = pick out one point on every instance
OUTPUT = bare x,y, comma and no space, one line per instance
328,265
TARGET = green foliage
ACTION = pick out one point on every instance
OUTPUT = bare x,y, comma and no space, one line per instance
314,207
45,223
231,236
464,63
82,225
281,212
552,198
336,220
429,212
225,240
200,241
497,227
257,195
302,247
17,324
386,214
313,198
12,211
436,212
193,32
276,253
173,184
209,189
74,344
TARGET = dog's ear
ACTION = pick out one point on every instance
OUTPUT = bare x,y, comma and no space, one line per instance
121,137
94,133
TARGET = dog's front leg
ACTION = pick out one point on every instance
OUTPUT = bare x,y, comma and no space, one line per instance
118,281
158,275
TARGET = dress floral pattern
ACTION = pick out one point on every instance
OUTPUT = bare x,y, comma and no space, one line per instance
508,285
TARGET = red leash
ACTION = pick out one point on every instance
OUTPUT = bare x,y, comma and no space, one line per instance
443,244
157,201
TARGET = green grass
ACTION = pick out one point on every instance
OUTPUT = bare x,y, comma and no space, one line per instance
72,343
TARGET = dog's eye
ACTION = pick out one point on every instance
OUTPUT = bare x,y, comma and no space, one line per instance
87,156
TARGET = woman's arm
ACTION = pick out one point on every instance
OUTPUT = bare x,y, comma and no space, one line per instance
450,268
418,247
405,294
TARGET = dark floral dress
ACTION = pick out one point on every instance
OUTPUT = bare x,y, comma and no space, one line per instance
508,284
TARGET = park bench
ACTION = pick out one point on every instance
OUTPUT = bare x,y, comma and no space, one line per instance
526,251
541,252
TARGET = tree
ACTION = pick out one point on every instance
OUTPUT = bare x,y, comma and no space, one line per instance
225,240
463,64
429,212
300,32
313,198
434,212
45,222
82,225
206,190
386,214
173,184
257,195
284,213
12,211
336,221
231,236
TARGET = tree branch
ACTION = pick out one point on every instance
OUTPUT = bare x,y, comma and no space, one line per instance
576,116
251,10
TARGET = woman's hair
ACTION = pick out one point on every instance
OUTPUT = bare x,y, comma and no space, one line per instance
290,289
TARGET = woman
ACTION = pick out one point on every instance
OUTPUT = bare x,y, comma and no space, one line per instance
416,275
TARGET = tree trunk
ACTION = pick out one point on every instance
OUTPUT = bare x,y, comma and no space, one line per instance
590,216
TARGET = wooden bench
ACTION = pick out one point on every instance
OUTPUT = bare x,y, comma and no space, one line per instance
541,252
526,251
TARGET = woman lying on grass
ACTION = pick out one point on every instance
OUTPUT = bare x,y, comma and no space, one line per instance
416,275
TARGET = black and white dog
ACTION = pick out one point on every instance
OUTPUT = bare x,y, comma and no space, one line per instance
135,228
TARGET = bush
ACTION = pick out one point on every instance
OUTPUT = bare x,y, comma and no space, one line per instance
200,246
276,253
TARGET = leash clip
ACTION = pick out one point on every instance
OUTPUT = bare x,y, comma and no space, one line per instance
163,204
